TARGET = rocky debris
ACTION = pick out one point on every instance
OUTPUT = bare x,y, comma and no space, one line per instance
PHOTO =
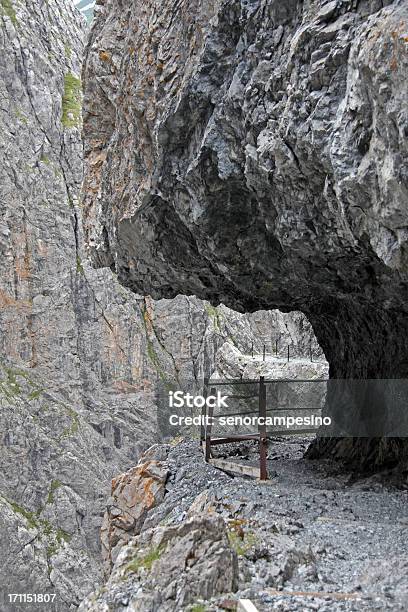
150,494
310,531
134,494
264,167
390,574
169,568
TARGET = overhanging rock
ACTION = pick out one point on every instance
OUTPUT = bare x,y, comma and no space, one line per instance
255,154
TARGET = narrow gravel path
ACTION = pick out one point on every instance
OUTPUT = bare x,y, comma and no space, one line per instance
344,535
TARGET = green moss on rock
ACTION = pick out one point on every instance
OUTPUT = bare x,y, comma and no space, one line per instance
241,545
146,561
68,51
198,607
79,266
21,117
14,384
71,101
56,537
214,315
55,484
60,537
35,395
8,9
73,428
30,517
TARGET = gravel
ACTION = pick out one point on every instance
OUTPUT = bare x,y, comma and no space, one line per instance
312,527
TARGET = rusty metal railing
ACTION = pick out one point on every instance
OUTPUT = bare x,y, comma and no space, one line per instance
257,393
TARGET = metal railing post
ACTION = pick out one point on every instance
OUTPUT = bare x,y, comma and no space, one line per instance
203,413
263,442
208,428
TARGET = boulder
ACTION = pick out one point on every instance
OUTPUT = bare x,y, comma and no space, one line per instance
133,495
168,568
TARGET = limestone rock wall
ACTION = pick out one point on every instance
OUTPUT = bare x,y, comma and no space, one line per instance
80,355
255,154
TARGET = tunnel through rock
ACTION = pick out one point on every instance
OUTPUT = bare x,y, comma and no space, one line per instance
255,154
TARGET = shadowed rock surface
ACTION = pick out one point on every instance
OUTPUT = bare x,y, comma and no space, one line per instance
255,154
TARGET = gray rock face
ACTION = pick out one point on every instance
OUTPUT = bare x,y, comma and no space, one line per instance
54,464
182,551
170,568
255,154
232,364
80,355
55,470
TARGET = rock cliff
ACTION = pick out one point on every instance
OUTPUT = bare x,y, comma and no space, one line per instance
80,355
255,154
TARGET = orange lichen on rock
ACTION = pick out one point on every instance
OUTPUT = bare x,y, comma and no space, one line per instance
134,494
104,56
7,301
